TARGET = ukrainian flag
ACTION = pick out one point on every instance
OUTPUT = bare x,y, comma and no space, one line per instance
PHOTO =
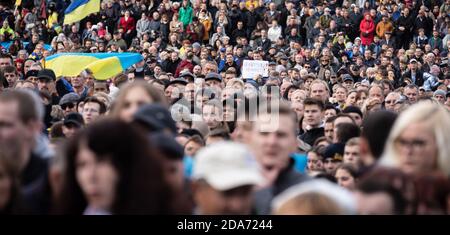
103,65
79,9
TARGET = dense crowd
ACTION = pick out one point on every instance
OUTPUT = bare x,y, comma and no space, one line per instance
352,117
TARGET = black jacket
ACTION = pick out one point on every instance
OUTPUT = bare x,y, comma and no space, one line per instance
35,168
238,33
251,18
264,45
234,65
310,136
170,66
419,77
287,178
391,43
407,22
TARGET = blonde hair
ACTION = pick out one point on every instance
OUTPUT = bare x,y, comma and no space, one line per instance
154,93
233,81
438,121
311,203
353,142
315,81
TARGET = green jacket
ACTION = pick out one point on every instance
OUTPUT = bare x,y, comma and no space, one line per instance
7,30
185,15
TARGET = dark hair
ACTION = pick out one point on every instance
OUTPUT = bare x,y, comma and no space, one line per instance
313,101
376,134
346,131
319,150
6,56
56,130
343,115
190,132
432,191
330,119
10,69
330,106
388,82
353,109
372,185
326,176
141,188
320,139
286,92
95,100
350,169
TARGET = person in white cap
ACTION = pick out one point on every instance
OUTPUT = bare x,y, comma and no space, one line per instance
316,197
224,177
325,18
414,73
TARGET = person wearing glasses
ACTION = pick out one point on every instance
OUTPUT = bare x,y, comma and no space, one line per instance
69,102
418,141
391,100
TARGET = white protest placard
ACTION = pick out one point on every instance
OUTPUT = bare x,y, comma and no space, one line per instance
251,68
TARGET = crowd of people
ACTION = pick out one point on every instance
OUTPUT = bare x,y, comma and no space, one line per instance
353,117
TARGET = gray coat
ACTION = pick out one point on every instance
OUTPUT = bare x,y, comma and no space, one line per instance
142,26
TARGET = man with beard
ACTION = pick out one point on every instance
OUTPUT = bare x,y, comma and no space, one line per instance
187,63
195,30
47,84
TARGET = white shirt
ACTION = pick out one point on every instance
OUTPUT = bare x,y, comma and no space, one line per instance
274,33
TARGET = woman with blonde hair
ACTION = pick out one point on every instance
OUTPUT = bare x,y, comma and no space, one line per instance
419,140
133,95
236,84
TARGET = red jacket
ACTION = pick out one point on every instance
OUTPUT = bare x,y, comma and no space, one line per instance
367,28
182,65
129,24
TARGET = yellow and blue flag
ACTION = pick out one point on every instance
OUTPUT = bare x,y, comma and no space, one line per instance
103,65
79,9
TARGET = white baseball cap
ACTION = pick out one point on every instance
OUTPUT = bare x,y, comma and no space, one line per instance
227,165
343,198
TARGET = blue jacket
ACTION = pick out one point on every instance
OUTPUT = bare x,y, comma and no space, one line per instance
431,82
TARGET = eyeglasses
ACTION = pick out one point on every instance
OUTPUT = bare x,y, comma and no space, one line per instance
415,144
67,105
389,101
